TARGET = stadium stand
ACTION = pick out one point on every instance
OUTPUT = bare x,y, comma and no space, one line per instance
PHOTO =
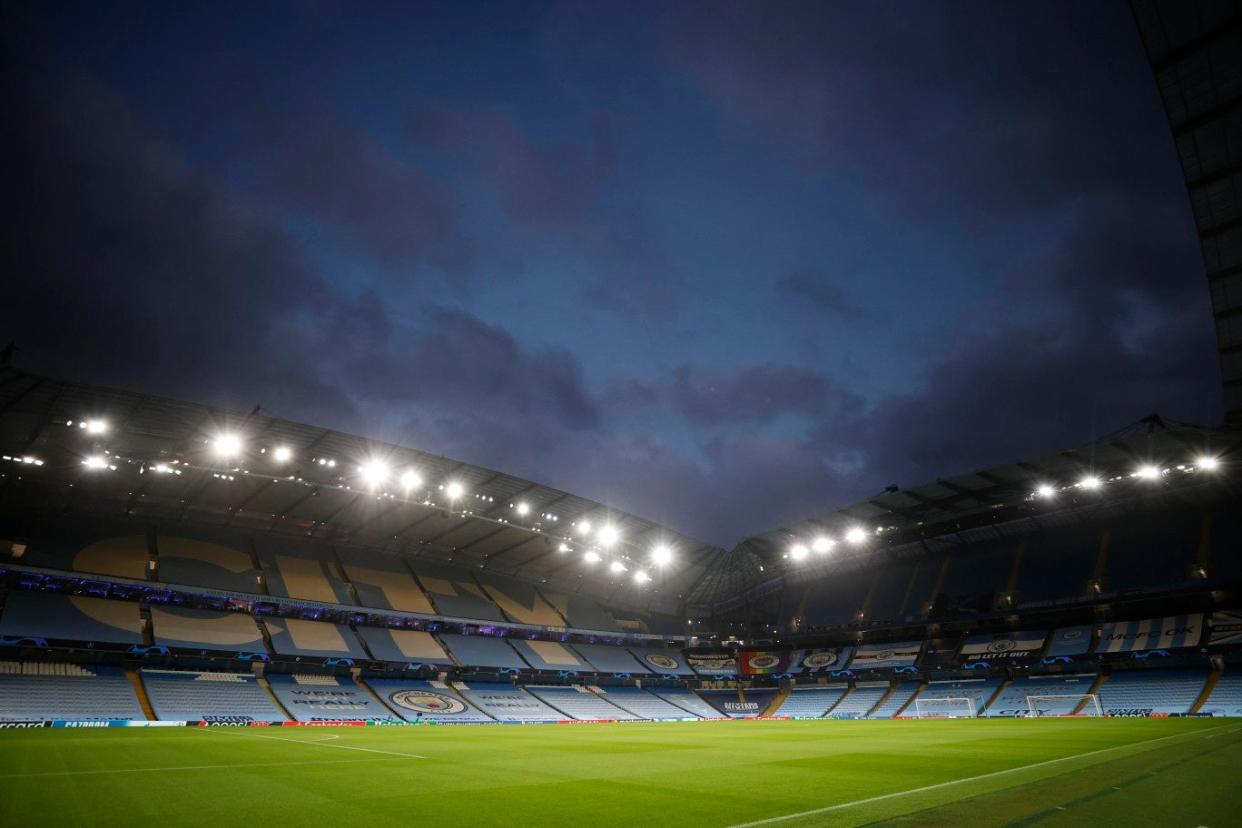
38,691
859,701
643,704
1012,700
187,628
216,562
973,577
1149,550
404,646
762,697
578,702
687,701
1226,697
658,660
550,655
507,703
94,547
482,651
304,571
383,582
837,600
979,691
296,637
812,701
313,698
898,699
728,703
41,615
604,658
581,612
455,593
1056,565
1142,692
520,601
890,593
180,696
415,700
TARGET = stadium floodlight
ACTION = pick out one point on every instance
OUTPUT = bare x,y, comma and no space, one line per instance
95,426
454,490
95,462
522,508
617,566
856,535
1046,491
641,577
562,547
823,544
591,556
282,454
374,473
608,535
1208,463
584,527
798,551
227,445
411,479
1148,472
162,468
662,555
1090,482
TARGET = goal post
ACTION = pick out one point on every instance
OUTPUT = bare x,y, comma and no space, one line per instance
957,707
1072,704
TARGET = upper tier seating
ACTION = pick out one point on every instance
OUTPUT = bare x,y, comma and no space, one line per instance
687,701
896,701
31,691
520,601
42,615
455,593
217,562
1013,699
311,698
301,570
580,703
643,704
582,612
859,701
384,582
427,700
404,646
660,660
97,548
199,629
1151,691
482,651
550,655
321,639
811,701
186,697
605,658
979,691
507,703
1226,697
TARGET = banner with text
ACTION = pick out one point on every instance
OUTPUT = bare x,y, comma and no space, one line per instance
877,656
1226,628
939,653
1003,646
712,665
1151,634
1070,641
823,660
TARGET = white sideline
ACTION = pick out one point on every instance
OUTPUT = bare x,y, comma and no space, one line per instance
315,742
186,767
843,805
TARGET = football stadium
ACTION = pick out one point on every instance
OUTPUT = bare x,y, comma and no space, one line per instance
213,617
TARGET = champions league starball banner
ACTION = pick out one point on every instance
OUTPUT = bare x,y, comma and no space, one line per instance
1004,646
1151,634
882,656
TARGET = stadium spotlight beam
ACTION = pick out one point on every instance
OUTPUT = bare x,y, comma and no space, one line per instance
662,555
411,480
374,473
856,535
227,446
798,551
282,454
1208,463
823,544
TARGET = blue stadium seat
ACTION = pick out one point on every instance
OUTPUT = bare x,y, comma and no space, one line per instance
41,615
1226,697
1141,692
979,691
859,700
482,651
404,646
319,639
812,701
644,704
36,691
580,703
435,701
1012,701
687,701
899,698
507,703
313,698
192,696
605,658
200,629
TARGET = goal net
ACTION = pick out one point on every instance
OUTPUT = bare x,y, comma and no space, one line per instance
944,708
1077,704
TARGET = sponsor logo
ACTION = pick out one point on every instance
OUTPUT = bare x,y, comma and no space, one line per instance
425,701
21,725
662,661
763,661
884,655
1001,645
816,660
740,707
1070,635
229,719
1130,712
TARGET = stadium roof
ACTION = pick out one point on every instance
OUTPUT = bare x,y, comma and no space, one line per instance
159,460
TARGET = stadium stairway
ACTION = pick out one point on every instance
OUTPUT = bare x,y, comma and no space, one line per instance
892,688
141,692
267,688
1000,688
1095,688
776,703
1208,687
367,688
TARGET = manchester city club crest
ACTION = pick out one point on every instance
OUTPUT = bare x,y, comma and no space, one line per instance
425,701
662,661
763,661
816,660
1001,645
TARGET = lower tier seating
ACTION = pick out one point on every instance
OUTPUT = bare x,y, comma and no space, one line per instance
507,702
944,698
580,703
1226,697
186,697
427,701
1142,692
33,691
859,701
643,704
898,699
812,701
311,698
1058,695
688,701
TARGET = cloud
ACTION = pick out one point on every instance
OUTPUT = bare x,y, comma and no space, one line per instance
807,287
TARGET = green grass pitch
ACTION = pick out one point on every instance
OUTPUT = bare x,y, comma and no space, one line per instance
1166,772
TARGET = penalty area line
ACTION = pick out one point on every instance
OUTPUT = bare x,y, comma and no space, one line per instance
841,806
312,742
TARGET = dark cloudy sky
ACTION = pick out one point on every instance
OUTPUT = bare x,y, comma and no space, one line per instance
723,265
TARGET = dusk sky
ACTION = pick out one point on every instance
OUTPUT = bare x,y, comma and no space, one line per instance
723,265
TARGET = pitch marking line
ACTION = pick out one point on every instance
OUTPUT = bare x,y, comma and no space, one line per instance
187,767
896,794
315,742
